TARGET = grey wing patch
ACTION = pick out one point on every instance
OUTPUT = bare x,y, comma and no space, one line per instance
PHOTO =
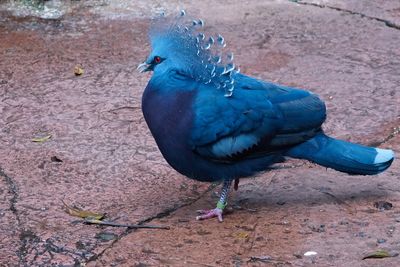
231,145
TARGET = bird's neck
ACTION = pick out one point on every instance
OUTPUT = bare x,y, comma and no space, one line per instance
172,80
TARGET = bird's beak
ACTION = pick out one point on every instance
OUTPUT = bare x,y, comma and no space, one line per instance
143,67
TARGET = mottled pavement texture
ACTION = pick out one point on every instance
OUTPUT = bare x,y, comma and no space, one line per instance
101,156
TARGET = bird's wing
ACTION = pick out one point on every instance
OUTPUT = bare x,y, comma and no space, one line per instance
226,127
258,118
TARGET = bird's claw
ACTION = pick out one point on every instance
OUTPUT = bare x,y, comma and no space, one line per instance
207,214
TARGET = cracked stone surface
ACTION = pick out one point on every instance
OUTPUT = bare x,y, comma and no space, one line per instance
110,163
386,10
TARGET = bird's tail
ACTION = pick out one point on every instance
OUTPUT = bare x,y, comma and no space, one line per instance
343,156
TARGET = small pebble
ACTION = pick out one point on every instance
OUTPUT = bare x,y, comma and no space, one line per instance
310,253
381,241
360,234
383,205
298,255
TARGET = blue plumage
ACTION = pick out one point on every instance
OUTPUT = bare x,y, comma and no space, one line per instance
213,123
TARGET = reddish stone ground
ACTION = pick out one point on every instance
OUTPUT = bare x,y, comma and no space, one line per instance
101,156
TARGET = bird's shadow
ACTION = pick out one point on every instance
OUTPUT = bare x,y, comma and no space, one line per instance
286,192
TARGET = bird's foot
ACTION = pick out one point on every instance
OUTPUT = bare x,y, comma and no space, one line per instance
208,214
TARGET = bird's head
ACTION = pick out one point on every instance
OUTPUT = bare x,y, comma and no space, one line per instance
170,51
179,47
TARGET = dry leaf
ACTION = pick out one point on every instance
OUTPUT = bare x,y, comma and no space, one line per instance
83,213
41,139
241,235
380,254
78,70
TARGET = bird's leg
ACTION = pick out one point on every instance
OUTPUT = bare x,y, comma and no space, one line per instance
236,184
221,204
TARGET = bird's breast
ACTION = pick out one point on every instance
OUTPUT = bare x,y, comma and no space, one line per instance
169,117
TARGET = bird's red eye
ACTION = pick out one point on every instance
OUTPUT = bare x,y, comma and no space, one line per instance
157,59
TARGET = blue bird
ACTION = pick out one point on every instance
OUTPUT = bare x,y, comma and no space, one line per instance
212,123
